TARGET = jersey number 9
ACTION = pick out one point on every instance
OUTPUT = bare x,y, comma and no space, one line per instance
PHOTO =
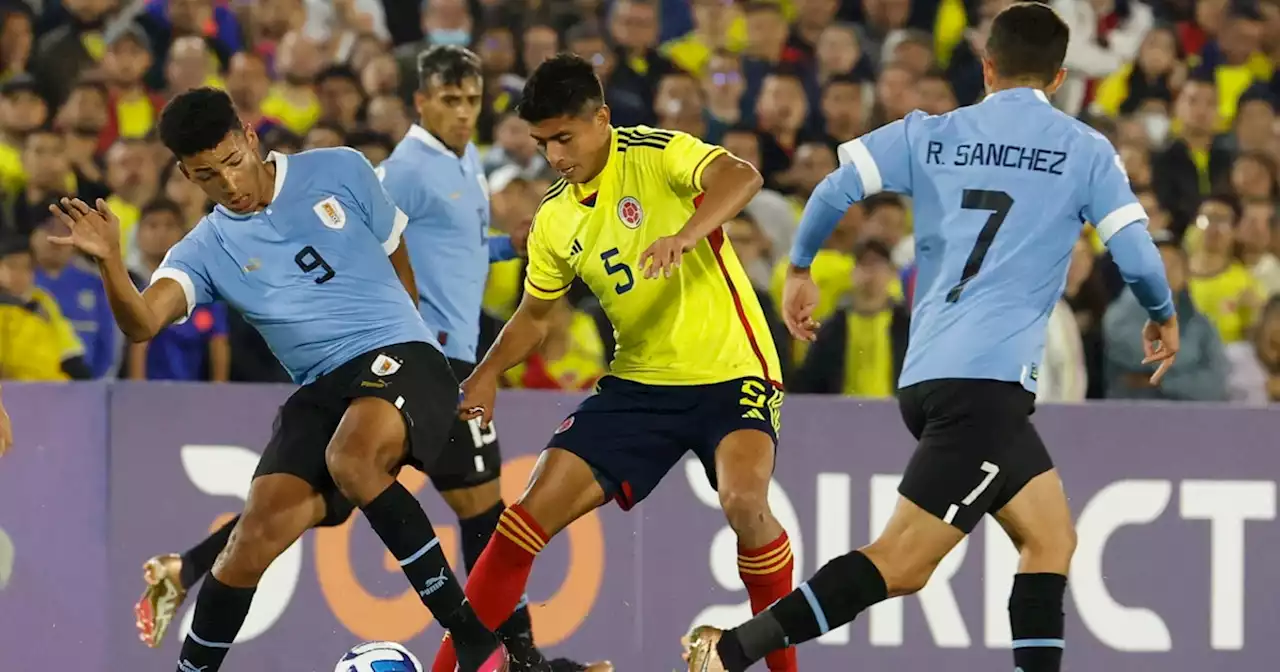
309,260
620,267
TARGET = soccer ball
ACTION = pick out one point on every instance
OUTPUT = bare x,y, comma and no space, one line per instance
378,657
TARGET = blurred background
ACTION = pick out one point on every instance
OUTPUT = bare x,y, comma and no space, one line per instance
1184,88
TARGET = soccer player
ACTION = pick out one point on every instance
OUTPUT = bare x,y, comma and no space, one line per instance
300,246
436,179
637,215
1001,189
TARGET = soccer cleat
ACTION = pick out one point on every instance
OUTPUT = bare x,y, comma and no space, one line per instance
700,649
159,603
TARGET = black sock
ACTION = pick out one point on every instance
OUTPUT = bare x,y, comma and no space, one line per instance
198,559
475,536
1035,618
836,594
220,611
406,531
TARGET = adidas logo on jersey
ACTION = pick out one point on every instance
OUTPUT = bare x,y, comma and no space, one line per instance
576,248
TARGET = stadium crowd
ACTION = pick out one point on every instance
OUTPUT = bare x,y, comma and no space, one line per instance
1183,88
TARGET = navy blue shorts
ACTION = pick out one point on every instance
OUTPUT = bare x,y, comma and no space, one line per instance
632,434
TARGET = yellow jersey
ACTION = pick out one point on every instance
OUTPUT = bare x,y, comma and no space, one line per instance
702,325
35,339
1228,299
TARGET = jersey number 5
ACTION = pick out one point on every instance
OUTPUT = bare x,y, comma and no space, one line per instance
309,260
620,267
998,203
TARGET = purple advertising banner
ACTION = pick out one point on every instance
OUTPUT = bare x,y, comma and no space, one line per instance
1175,570
53,529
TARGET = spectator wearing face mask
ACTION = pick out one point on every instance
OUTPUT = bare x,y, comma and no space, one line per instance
443,22
860,347
678,104
36,340
80,296
1202,370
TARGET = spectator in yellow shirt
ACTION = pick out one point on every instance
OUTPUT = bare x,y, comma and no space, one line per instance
571,357
293,101
1220,285
36,341
22,111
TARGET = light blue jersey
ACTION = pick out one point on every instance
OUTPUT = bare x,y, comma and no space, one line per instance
310,272
447,200
1000,190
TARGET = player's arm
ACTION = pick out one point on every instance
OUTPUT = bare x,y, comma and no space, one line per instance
502,248
140,315
1121,223
547,280
878,161
726,184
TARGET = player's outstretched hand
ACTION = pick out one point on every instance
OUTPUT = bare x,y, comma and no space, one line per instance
95,232
6,431
664,254
478,394
1160,344
799,299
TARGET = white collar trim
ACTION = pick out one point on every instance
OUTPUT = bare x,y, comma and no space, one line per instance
282,167
1038,94
425,137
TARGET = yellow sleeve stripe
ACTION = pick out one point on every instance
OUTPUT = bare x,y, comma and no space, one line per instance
702,166
543,293
554,190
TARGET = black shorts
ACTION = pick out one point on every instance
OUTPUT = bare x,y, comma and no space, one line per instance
977,447
473,456
631,434
414,377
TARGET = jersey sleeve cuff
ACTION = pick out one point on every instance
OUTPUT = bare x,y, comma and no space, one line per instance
855,153
398,224
1118,219
544,293
701,168
184,281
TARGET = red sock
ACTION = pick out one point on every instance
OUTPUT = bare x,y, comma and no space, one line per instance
497,581
766,571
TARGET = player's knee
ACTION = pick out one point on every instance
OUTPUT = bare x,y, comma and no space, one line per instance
353,473
744,508
1050,546
904,569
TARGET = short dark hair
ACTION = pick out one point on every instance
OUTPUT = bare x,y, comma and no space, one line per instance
365,136
1028,40
450,63
197,120
161,205
323,125
565,85
46,128
872,247
337,72
280,137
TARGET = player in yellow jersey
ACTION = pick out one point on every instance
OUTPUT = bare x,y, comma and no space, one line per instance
637,215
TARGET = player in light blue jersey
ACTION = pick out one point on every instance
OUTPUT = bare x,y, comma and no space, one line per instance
300,246
443,192
1000,191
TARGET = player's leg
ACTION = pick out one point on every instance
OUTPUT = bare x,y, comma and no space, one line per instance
365,452
168,578
946,489
744,412
1033,510
279,509
467,476
562,488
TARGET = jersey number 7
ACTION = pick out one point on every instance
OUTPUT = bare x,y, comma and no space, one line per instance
998,203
